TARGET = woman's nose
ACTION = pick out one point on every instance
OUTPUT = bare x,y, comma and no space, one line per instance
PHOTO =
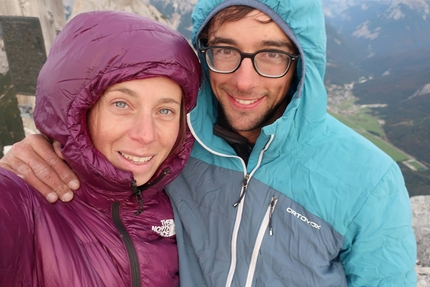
144,129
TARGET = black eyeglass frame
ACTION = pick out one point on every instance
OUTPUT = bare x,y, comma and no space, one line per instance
293,57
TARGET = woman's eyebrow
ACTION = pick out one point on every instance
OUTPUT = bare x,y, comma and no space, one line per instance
165,100
169,101
124,90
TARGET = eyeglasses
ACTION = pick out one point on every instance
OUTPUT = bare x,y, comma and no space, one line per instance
267,63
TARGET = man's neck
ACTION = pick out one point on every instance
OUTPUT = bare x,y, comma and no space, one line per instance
249,136
239,143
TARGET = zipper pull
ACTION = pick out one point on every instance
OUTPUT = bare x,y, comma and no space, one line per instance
137,192
244,188
272,207
139,199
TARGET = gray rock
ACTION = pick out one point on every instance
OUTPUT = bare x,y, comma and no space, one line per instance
421,224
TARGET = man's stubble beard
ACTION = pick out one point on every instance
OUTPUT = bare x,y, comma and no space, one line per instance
258,123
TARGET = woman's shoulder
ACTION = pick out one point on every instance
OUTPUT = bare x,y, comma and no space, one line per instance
16,228
10,182
16,196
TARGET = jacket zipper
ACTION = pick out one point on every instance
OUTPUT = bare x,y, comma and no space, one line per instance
244,188
272,208
238,220
132,255
137,190
131,250
237,204
267,223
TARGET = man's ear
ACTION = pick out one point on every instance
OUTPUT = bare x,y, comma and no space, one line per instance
57,148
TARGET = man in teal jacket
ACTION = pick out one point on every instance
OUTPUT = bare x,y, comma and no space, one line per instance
277,192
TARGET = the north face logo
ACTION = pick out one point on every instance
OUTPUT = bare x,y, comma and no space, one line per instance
166,229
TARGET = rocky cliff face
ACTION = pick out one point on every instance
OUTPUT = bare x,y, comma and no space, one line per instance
134,6
50,13
421,224
52,17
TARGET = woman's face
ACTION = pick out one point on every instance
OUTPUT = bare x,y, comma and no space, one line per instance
135,124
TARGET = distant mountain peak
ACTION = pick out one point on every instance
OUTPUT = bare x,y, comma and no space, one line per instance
413,4
396,9
425,90
364,31
340,8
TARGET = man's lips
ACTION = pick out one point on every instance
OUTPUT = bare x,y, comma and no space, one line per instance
135,159
245,103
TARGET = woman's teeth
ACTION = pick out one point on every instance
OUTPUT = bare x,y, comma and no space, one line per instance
135,159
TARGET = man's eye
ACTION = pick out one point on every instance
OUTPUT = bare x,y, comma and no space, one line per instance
223,51
121,105
273,55
226,51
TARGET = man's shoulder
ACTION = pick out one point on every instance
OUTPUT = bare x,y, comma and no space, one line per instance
344,146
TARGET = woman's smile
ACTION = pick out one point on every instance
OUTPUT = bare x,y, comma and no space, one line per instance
135,159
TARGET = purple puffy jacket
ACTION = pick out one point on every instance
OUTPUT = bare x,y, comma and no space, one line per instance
97,240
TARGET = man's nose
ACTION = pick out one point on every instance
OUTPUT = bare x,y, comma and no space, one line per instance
245,77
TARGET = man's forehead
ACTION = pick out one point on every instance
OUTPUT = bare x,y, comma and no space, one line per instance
260,16
228,32
254,14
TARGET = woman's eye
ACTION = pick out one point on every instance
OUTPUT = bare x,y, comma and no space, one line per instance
121,105
165,111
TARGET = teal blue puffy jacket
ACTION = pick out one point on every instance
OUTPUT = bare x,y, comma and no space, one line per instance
337,205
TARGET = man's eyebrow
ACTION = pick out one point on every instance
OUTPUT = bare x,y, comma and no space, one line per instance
280,44
221,40
272,43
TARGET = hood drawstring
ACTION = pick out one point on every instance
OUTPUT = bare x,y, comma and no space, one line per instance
137,190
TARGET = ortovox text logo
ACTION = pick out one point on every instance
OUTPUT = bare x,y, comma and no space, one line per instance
303,218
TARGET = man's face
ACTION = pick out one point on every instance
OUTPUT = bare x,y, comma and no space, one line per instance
250,101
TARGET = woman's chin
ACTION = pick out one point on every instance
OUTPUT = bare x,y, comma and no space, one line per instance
142,179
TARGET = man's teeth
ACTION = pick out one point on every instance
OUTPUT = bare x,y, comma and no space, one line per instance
135,159
244,102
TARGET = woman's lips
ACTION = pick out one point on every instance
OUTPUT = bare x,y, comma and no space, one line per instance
135,159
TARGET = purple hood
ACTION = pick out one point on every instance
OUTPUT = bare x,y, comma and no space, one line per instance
84,60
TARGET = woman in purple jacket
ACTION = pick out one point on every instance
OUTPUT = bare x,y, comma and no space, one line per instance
114,92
